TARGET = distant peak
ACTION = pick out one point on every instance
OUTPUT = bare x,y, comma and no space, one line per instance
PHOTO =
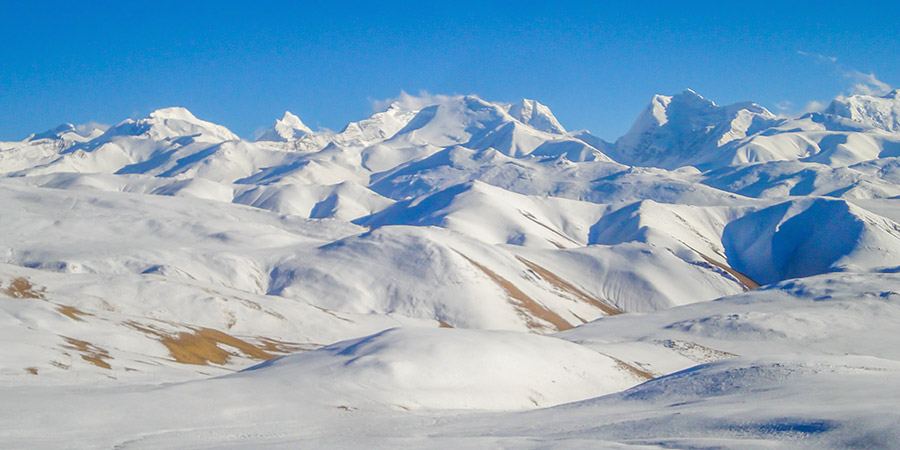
288,128
692,97
175,112
290,119
537,115
53,133
173,122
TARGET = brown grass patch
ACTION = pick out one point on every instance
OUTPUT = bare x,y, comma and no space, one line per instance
276,346
630,368
556,244
89,352
565,286
200,346
443,324
525,305
72,312
744,279
31,370
20,287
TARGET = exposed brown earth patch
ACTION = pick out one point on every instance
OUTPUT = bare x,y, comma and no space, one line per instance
556,244
253,305
200,346
630,368
443,324
276,346
31,370
89,352
578,317
744,279
72,312
525,305
565,286
20,287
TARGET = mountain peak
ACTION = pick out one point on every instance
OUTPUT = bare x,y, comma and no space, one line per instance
173,122
174,112
54,133
288,128
690,97
537,115
881,113
73,133
687,129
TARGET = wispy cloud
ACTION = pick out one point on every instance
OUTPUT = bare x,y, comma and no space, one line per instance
862,83
866,83
814,106
855,81
819,56
407,101
85,128
785,105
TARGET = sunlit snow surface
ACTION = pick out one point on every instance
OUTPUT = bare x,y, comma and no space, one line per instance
463,274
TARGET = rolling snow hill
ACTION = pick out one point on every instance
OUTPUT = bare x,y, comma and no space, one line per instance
437,270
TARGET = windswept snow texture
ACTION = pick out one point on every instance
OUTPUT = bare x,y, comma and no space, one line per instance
456,272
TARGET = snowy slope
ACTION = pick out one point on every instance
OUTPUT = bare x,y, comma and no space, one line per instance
719,276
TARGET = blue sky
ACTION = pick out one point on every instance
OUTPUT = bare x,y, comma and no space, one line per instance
595,64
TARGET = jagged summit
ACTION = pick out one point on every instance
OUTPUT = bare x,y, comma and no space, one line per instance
288,128
877,112
539,116
687,129
71,133
173,112
173,122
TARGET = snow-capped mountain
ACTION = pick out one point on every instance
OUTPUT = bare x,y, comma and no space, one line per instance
167,249
687,129
288,128
881,113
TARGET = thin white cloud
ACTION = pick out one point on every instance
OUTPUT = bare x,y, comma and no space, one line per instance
818,56
784,105
814,106
407,101
85,128
866,83
861,83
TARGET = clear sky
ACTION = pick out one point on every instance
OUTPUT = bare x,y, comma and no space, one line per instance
595,64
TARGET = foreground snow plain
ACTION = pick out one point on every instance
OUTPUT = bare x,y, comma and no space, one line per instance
464,274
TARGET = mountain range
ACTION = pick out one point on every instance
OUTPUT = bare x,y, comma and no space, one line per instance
465,270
